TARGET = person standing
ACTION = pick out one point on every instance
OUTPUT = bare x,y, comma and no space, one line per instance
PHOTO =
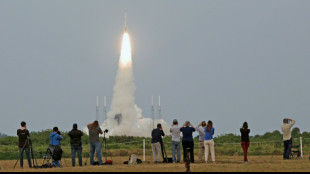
176,138
94,131
156,142
23,144
188,141
76,144
201,130
287,136
245,140
209,143
55,138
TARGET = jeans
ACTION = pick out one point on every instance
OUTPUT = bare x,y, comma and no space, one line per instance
176,145
188,144
287,148
76,150
21,158
245,147
95,146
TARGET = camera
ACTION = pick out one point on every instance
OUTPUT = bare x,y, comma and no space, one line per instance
58,133
106,131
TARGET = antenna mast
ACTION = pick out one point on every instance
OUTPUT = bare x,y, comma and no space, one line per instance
159,108
97,110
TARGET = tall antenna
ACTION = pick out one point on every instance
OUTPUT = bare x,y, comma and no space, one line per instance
152,112
159,108
105,108
97,110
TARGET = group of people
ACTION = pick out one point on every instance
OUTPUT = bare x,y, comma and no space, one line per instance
55,146
206,142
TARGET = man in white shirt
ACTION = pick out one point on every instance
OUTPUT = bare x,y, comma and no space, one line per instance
287,137
176,145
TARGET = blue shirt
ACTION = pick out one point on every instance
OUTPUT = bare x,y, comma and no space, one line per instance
55,139
187,133
209,135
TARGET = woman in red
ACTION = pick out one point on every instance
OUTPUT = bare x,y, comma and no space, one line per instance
245,140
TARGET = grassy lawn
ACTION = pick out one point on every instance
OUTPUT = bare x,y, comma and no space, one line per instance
224,164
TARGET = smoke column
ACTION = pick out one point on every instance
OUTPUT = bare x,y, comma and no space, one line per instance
125,117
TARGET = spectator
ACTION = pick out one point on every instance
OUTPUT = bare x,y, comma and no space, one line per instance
201,130
23,144
76,144
209,143
55,148
188,141
287,137
156,142
95,145
176,145
245,140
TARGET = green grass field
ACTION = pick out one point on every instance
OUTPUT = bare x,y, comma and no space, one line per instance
223,164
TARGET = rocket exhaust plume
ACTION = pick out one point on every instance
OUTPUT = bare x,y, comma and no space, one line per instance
125,117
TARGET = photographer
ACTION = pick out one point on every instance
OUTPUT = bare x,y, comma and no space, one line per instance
56,151
23,144
188,141
76,144
176,145
287,137
201,130
94,131
156,142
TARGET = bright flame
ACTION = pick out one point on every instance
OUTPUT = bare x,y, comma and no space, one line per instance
125,58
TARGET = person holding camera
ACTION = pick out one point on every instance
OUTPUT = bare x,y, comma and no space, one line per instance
23,144
201,130
188,141
76,144
176,138
287,137
94,130
56,151
208,141
245,141
156,142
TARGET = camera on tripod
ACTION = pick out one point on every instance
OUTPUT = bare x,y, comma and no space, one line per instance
106,131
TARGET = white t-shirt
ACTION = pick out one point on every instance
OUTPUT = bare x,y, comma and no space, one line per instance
175,131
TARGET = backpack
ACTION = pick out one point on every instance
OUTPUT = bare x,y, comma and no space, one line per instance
132,159
57,154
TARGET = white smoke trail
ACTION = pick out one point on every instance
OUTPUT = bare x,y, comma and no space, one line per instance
123,102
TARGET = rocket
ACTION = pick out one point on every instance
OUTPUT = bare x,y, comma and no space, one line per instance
125,27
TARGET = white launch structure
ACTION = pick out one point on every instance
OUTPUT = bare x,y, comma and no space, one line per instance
97,109
125,117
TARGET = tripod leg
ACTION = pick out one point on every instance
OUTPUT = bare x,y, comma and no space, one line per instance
21,152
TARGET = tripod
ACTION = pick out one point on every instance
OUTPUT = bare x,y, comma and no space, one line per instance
106,148
163,151
187,161
34,161
46,159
